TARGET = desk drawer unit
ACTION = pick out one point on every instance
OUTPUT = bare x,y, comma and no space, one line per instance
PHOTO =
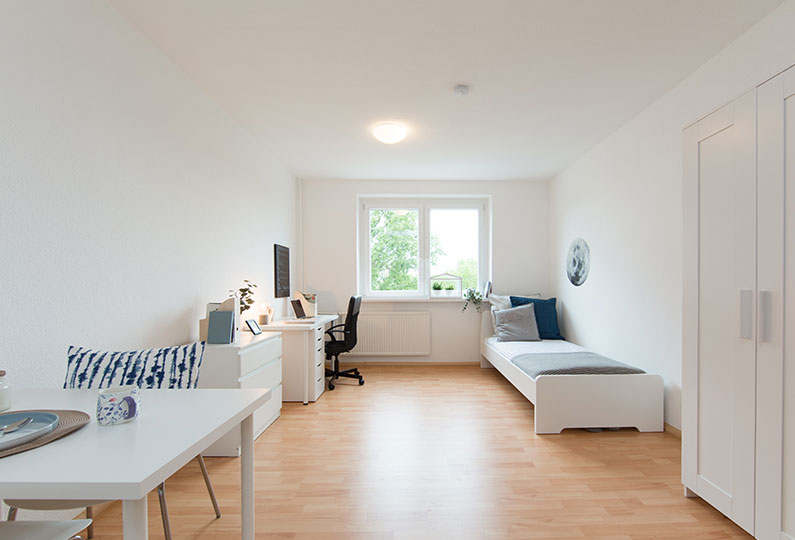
254,362
320,365
320,332
303,358
320,385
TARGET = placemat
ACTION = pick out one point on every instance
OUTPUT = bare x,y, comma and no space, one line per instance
68,421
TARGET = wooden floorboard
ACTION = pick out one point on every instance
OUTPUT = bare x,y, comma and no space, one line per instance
437,452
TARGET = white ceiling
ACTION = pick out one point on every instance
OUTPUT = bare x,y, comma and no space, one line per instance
549,78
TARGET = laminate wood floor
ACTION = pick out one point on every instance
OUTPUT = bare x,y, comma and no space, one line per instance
438,452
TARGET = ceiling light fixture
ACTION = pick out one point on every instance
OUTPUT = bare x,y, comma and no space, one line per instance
390,132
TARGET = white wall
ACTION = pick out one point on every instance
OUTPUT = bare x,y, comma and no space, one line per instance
624,198
519,251
128,199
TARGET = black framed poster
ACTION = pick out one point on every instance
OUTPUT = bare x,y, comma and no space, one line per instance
281,271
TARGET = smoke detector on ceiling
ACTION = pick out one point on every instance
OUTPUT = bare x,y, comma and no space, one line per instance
461,89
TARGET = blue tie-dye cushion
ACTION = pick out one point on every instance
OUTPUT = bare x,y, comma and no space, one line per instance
169,367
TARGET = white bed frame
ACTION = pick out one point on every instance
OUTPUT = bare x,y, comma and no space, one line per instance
582,401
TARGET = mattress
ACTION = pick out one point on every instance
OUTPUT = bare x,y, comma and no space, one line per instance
557,357
512,349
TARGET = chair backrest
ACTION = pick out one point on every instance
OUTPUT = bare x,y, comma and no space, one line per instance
167,367
351,320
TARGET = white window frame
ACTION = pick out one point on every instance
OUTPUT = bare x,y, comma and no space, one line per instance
423,205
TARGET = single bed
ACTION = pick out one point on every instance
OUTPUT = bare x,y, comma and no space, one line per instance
598,393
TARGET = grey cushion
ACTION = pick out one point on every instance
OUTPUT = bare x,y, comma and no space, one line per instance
517,324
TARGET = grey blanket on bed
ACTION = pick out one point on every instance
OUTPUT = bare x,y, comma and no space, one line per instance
571,363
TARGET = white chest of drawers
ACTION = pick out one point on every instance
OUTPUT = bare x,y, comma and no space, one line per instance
253,362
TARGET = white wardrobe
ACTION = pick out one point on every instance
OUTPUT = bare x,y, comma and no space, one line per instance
738,390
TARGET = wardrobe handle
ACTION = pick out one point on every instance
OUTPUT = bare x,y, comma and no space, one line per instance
746,314
764,315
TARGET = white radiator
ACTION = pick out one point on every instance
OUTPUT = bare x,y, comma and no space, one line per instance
393,333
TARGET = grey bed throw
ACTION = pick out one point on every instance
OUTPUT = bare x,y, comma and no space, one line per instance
571,363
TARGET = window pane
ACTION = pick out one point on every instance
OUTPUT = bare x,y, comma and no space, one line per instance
394,249
454,244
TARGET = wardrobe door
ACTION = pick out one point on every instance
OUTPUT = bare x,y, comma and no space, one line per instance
775,467
788,420
720,330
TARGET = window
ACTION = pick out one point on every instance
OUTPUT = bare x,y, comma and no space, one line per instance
405,242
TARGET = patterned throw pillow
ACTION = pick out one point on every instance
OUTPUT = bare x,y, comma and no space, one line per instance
168,367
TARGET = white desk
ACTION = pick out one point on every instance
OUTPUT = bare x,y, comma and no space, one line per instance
303,357
128,461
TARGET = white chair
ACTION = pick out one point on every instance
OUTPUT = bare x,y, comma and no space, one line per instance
169,367
42,530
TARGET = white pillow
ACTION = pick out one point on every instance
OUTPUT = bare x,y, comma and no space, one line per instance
498,303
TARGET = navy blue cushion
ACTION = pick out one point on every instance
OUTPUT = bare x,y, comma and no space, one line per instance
546,315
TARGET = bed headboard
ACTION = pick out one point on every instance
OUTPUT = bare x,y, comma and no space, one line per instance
486,326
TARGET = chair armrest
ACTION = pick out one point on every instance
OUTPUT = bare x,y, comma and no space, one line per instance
333,329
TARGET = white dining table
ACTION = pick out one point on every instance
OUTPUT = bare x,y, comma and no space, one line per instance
125,462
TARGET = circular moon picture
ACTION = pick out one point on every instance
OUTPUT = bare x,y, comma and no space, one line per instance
578,262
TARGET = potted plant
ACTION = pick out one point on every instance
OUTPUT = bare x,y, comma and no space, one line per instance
436,289
471,295
246,295
449,289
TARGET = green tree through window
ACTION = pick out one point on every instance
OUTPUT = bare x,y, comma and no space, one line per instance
467,269
394,249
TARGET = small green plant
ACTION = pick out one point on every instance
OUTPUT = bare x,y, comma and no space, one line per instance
471,295
246,294
436,286
449,287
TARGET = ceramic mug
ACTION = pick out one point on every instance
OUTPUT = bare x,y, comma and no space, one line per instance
118,405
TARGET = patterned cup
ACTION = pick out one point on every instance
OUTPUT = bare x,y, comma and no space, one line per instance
118,405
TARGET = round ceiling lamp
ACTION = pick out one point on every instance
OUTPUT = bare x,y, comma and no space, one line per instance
390,132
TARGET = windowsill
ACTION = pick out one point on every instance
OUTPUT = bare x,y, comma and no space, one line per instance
408,300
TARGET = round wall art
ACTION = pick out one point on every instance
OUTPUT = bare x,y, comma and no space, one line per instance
578,262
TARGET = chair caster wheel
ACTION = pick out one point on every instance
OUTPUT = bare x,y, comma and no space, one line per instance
361,382
330,386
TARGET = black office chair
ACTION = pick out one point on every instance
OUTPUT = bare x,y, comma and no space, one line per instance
336,347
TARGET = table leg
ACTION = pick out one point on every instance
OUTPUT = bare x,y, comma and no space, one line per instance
134,518
246,478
